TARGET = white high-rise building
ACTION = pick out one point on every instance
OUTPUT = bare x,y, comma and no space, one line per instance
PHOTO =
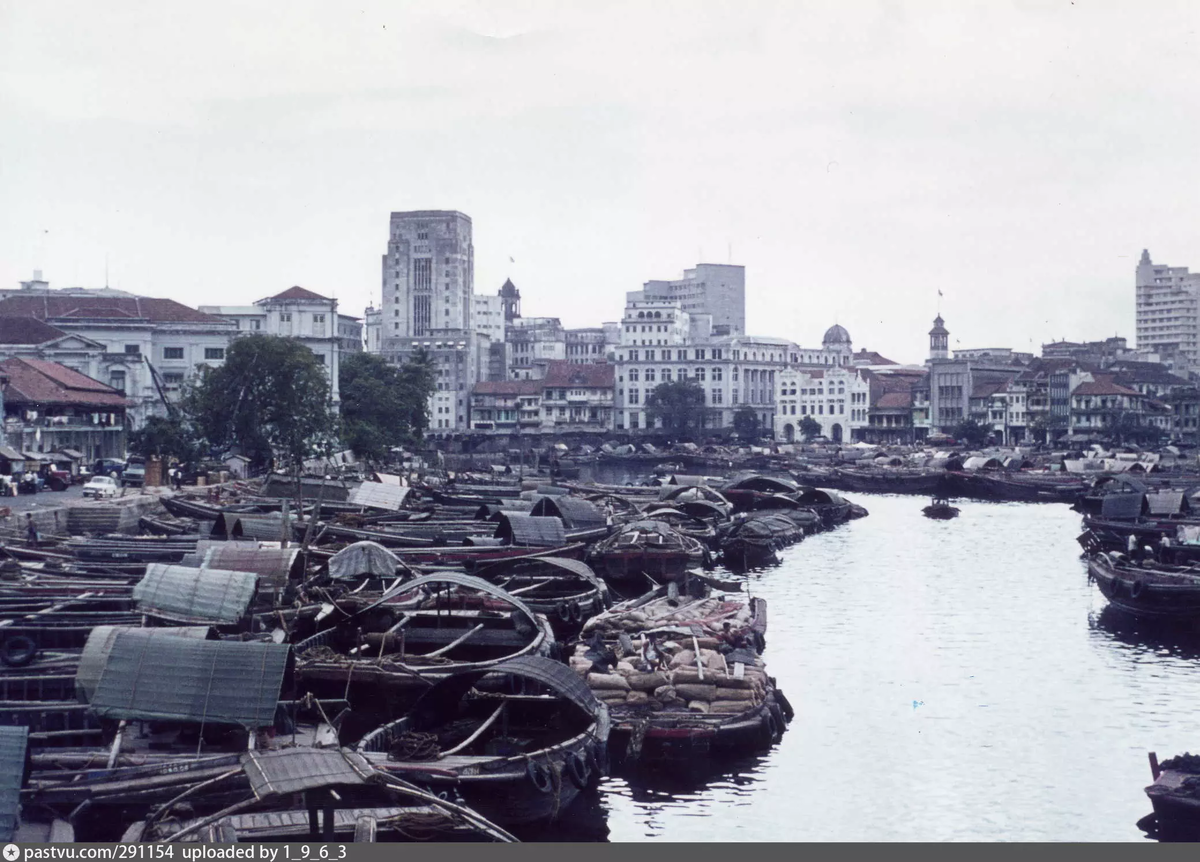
1168,313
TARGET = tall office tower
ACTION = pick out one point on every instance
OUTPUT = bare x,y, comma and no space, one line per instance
428,273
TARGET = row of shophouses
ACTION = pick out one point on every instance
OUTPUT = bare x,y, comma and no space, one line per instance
1071,393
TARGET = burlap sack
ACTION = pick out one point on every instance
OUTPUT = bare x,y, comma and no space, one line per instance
607,682
683,658
646,681
694,691
730,707
637,697
699,706
732,694
625,667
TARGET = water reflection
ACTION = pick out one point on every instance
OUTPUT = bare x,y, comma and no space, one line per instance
956,680
1177,638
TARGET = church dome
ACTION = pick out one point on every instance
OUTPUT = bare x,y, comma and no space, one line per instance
836,335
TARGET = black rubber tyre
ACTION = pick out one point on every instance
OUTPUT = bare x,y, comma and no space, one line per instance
1137,588
540,775
18,651
578,771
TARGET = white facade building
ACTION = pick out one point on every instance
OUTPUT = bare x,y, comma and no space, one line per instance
837,398
150,345
306,316
1168,313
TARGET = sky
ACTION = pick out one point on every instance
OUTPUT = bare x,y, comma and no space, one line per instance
856,157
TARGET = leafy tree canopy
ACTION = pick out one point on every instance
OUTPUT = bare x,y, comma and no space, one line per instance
271,397
173,437
384,406
745,422
971,432
810,428
678,405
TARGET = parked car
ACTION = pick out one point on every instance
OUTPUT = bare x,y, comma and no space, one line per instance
134,473
100,487
108,467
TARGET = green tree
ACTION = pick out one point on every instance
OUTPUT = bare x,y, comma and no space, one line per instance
384,406
677,405
971,432
745,423
173,437
269,399
810,428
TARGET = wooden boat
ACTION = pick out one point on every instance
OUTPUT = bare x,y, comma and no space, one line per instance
1153,590
566,592
940,509
1175,797
757,536
388,651
308,794
519,742
682,674
645,548
682,522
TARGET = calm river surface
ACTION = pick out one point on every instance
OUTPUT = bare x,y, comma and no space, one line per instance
952,680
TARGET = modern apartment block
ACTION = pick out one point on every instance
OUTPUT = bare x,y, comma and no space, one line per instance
1168,313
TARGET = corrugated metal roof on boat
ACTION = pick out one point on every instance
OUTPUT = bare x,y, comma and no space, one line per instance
274,566
266,527
575,512
193,681
376,495
530,532
1121,505
99,644
291,770
14,742
195,595
1164,502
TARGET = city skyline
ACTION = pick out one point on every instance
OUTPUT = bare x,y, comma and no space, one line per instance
854,160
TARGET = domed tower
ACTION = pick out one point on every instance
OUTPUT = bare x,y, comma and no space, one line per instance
939,340
511,299
837,342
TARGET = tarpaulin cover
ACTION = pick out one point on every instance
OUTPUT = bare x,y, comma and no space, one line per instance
363,558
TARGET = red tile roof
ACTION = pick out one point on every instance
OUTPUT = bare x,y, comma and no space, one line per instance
298,292
142,308
1103,385
26,330
894,400
508,387
870,357
599,375
36,381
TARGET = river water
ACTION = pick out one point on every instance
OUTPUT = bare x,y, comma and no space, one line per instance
952,681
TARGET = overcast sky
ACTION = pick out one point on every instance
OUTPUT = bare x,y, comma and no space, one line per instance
855,157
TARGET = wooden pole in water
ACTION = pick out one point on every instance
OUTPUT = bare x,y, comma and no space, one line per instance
1154,770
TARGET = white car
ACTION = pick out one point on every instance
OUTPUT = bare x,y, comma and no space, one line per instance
100,487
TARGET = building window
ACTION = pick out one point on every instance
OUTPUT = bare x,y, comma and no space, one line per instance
172,353
116,379
133,349
285,317
318,318
214,353
716,375
173,379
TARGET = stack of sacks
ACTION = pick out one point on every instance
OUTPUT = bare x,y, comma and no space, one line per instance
678,684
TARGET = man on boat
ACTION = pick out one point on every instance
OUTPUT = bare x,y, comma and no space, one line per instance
1164,550
1133,548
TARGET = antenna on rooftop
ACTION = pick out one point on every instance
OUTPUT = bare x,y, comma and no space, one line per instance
106,270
